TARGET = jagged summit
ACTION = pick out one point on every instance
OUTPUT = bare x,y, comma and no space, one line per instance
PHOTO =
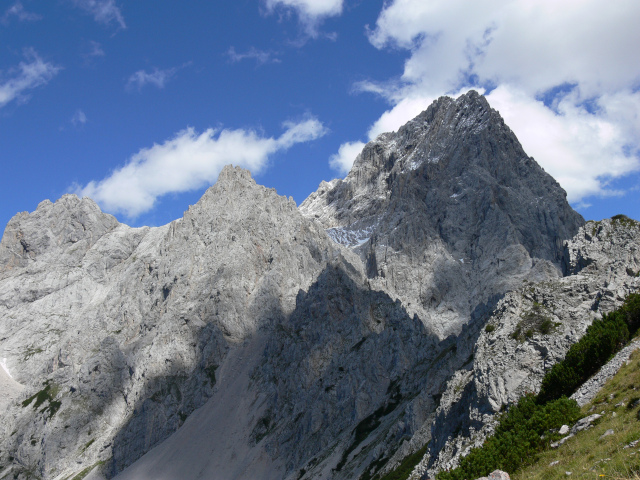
241,341
130,325
453,197
51,228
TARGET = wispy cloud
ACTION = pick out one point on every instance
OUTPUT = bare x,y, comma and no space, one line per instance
190,161
79,118
91,52
103,11
347,153
95,49
142,78
29,74
17,10
311,13
260,56
156,77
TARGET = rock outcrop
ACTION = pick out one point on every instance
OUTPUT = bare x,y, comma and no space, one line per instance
530,330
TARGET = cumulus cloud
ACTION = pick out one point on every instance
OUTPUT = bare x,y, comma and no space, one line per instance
567,80
582,151
347,153
190,161
29,74
103,11
260,56
157,77
310,12
17,10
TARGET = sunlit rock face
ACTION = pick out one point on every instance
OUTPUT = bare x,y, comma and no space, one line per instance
531,329
252,339
127,327
448,213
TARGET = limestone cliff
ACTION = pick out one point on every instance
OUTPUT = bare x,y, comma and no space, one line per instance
448,213
530,330
253,339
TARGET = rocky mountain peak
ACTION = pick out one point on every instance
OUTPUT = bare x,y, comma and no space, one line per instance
421,139
230,176
253,339
452,183
51,228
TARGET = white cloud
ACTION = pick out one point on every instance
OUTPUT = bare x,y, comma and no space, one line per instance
347,153
158,78
310,12
95,50
576,55
580,150
28,75
190,161
103,11
78,118
260,56
18,11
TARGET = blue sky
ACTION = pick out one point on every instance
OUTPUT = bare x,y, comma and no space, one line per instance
140,104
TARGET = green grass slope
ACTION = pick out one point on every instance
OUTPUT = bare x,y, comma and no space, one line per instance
591,455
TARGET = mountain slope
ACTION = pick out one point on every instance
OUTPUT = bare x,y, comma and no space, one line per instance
128,326
512,356
448,213
241,341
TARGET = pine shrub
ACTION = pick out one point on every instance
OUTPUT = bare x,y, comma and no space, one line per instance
603,339
527,427
518,438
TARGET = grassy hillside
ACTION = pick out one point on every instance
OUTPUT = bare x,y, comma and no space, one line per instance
589,454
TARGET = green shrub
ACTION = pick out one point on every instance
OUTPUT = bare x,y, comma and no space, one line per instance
402,471
489,328
631,311
546,326
517,440
532,321
47,394
603,339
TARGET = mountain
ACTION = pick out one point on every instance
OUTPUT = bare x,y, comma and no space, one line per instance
255,339
448,213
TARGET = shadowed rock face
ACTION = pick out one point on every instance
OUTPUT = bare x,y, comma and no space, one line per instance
129,326
448,212
241,341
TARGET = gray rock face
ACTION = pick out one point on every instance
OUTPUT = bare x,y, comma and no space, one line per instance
530,330
212,323
448,213
122,330
243,341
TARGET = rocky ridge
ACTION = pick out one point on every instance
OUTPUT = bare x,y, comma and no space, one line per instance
121,331
247,340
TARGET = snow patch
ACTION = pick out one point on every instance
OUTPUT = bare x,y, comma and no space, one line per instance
350,238
3,363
